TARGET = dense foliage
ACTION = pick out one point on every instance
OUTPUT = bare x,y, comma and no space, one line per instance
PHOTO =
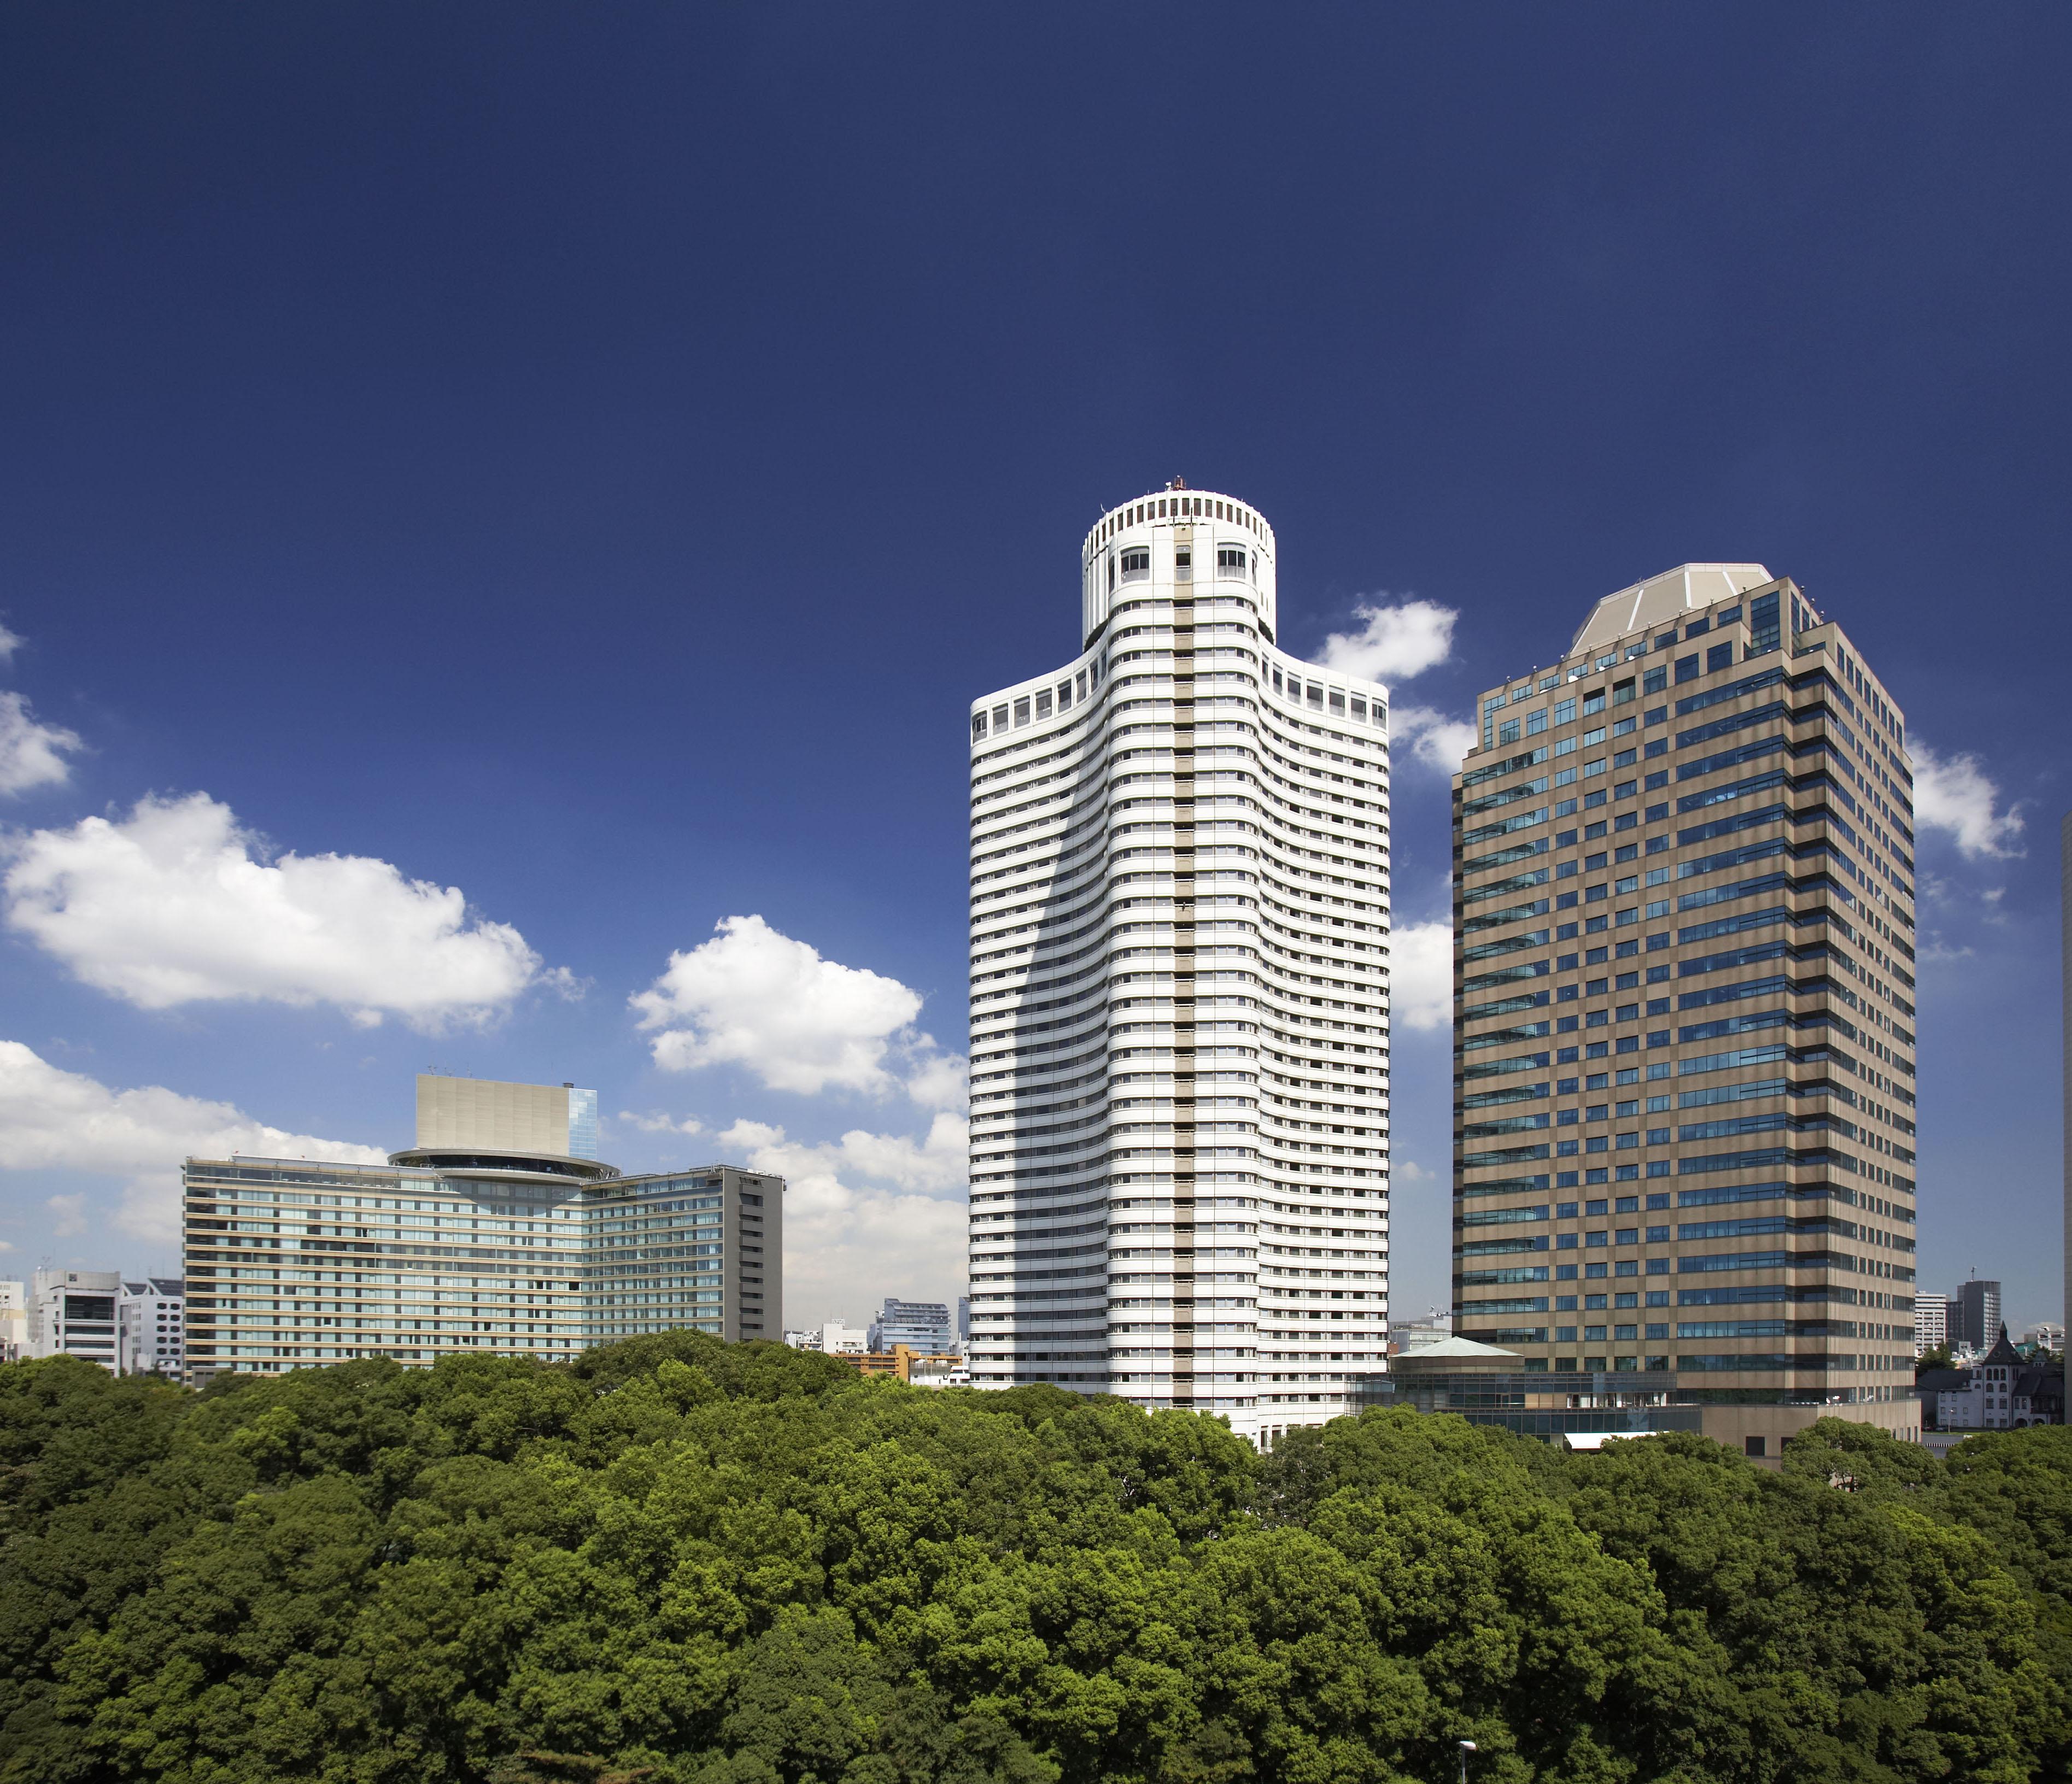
681,1560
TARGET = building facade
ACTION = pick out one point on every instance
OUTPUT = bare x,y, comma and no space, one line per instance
471,1246
14,1320
149,1328
1684,1028
72,1313
1974,1315
1179,1026
2002,1391
1931,1322
919,1324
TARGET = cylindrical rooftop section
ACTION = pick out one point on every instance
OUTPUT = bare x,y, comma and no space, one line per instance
1183,542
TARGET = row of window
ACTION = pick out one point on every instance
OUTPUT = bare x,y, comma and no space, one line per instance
1045,702
1031,709
1174,507
1764,636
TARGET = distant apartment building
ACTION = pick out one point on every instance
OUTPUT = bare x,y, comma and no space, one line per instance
1974,1315
490,1234
149,1318
72,1313
1931,1322
1684,1022
919,1324
2045,1334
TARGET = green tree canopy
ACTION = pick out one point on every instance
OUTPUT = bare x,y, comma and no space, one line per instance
684,1562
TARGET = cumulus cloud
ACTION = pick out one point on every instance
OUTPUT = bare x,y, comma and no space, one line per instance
10,642
1434,739
866,1216
1395,641
53,1119
1398,640
1421,976
1955,795
753,997
31,752
178,903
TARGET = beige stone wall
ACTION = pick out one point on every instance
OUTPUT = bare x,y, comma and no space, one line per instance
478,1111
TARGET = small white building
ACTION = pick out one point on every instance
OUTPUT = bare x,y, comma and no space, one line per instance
72,1313
150,1318
839,1340
2046,1335
13,1321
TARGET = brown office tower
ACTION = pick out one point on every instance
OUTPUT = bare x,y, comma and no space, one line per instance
1683,1021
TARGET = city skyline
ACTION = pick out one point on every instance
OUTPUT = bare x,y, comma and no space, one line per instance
422,457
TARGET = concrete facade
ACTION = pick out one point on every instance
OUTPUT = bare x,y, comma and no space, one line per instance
1684,1026
1179,1006
454,1114
151,1337
72,1313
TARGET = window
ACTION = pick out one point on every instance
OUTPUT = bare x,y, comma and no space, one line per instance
1000,718
1082,681
1316,696
1359,707
1339,708
978,726
1687,668
1043,703
1022,710
1535,722
1183,564
1505,733
1593,703
1136,564
1231,562
1703,624
1720,657
1565,712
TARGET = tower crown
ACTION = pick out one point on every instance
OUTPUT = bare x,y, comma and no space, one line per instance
1193,540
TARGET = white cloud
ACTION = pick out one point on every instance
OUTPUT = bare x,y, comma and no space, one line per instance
1954,794
1395,643
31,752
1434,739
753,997
10,642
51,1119
657,1123
1421,976
849,1245
178,903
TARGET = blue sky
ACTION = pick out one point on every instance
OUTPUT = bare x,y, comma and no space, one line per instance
587,458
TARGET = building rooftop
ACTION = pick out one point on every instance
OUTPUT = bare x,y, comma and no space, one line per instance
1662,598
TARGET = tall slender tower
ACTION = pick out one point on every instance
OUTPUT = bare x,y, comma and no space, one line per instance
1683,1019
1179,1028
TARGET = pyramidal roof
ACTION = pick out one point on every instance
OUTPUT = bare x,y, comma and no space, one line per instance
2002,1355
1454,1347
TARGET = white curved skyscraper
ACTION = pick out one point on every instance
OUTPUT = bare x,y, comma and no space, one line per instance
1179,1027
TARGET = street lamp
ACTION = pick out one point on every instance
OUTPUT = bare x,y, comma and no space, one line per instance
1467,1748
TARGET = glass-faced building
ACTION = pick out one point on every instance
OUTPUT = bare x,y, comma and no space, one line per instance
1179,1006
1685,1025
295,1262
